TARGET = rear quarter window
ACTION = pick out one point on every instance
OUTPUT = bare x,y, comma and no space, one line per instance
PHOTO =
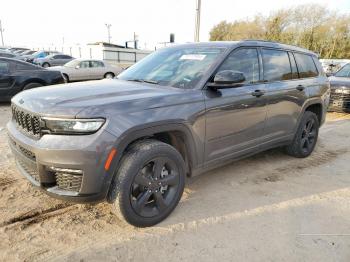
306,65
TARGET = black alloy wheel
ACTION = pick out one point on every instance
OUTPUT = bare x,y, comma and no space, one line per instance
154,187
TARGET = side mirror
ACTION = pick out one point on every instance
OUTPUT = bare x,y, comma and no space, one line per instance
329,74
228,79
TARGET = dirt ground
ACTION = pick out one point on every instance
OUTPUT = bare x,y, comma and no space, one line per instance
270,207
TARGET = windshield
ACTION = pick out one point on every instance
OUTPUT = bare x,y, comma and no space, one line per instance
344,71
176,67
72,63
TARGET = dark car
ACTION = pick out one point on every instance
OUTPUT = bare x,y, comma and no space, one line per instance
179,112
11,55
340,90
16,76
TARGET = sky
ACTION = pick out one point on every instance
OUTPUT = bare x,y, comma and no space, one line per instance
43,23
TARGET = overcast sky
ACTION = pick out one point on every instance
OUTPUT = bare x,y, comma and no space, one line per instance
39,23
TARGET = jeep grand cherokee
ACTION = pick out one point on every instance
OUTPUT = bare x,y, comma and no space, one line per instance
180,111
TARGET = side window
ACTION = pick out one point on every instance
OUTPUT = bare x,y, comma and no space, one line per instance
57,57
276,65
293,64
84,64
244,60
65,57
306,65
4,67
344,71
97,64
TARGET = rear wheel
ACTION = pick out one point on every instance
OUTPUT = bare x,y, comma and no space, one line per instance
149,183
306,137
46,65
31,85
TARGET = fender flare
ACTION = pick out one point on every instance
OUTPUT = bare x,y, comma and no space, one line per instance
307,103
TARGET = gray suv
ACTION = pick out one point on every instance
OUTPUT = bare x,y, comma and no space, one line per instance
177,113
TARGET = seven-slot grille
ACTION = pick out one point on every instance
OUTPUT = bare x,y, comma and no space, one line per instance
26,121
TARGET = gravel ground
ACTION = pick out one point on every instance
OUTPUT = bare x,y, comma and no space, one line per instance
270,207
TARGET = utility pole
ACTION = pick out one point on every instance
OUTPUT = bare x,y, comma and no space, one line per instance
1,33
109,32
198,20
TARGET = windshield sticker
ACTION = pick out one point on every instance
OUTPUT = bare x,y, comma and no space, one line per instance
193,57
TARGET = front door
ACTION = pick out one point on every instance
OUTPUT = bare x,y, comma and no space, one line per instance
235,117
7,80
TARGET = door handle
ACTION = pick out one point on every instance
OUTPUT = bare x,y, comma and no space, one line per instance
300,87
257,93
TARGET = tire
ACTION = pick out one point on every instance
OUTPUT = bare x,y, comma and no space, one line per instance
66,78
31,85
149,183
46,65
109,75
306,136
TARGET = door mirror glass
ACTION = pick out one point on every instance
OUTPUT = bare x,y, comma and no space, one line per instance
229,77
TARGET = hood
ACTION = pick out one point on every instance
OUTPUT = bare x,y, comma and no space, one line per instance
339,81
97,98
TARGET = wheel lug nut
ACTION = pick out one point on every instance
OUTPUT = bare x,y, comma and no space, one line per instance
150,191
149,183
160,183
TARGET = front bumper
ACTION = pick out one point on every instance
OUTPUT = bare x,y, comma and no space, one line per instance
340,100
48,163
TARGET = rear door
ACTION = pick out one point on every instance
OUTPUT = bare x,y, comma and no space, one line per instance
286,93
235,117
98,69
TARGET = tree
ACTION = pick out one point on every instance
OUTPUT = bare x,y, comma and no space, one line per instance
312,26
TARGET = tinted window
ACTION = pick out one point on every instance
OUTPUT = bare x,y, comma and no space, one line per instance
57,57
97,64
4,67
344,71
276,65
65,57
295,74
306,65
244,60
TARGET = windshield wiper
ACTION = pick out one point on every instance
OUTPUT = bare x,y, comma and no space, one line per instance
144,81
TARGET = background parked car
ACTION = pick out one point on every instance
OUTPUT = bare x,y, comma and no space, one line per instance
340,90
16,76
53,60
39,54
87,69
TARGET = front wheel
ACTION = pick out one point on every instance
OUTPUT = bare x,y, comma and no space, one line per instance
306,136
109,75
149,183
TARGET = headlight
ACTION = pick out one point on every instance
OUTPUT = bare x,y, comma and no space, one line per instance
71,126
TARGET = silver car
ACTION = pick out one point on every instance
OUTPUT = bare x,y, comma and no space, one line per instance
87,69
53,60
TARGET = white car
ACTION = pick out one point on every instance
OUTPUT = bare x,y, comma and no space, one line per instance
87,69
